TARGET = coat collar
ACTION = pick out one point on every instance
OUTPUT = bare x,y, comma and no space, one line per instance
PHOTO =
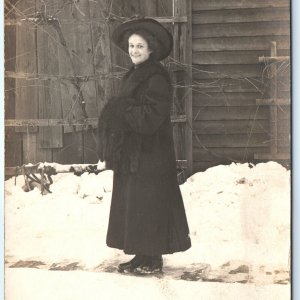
139,74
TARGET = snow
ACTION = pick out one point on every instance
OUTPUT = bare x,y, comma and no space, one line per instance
235,212
74,285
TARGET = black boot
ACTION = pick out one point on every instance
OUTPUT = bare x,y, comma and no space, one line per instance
150,265
131,265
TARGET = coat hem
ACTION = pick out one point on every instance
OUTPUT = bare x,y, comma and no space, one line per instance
163,252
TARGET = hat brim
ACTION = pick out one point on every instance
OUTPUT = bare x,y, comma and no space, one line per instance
163,36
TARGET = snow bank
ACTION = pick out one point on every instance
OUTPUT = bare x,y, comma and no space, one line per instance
234,212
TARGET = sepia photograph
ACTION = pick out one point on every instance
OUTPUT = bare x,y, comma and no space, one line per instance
147,149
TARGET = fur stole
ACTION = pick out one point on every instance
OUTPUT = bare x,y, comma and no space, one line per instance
118,145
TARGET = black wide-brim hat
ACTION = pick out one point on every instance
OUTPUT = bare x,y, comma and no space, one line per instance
164,37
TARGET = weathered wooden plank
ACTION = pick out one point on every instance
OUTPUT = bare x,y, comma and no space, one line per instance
32,153
231,140
230,85
101,53
229,57
227,85
26,91
227,154
90,146
49,91
10,86
238,126
67,56
238,140
284,113
13,140
219,113
29,148
199,5
240,43
58,77
241,15
271,101
228,71
127,9
270,59
230,113
204,165
72,151
10,48
48,122
231,126
284,126
162,19
13,147
243,29
189,95
272,156
84,63
225,99
283,140
179,107
119,59
56,122
273,109
179,137
149,8
164,8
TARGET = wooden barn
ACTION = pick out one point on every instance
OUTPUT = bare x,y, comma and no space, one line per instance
230,71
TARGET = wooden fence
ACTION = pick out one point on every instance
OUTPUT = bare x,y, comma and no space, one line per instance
61,68
229,37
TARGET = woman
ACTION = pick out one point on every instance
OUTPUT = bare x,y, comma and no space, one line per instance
147,216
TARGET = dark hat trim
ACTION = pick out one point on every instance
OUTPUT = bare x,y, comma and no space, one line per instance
161,33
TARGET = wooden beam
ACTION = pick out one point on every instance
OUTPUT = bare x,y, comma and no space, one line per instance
201,5
189,95
22,22
273,156
241,15
247,43
26,105
49,122
64,122
273,94
12,171
273,101
254,29
175,19
270,59
84,78
238,57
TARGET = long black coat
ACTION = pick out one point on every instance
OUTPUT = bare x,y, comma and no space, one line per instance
147,214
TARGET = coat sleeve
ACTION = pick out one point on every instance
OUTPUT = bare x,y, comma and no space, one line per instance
155,106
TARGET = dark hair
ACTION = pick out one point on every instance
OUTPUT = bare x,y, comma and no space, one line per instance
152,41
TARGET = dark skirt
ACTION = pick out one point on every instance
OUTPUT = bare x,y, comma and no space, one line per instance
147,215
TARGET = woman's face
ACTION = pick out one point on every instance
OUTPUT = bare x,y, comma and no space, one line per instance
138,49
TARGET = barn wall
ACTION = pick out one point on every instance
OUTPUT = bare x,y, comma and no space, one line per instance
59,55
228,38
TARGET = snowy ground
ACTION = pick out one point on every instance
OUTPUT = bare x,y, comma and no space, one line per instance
236,213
